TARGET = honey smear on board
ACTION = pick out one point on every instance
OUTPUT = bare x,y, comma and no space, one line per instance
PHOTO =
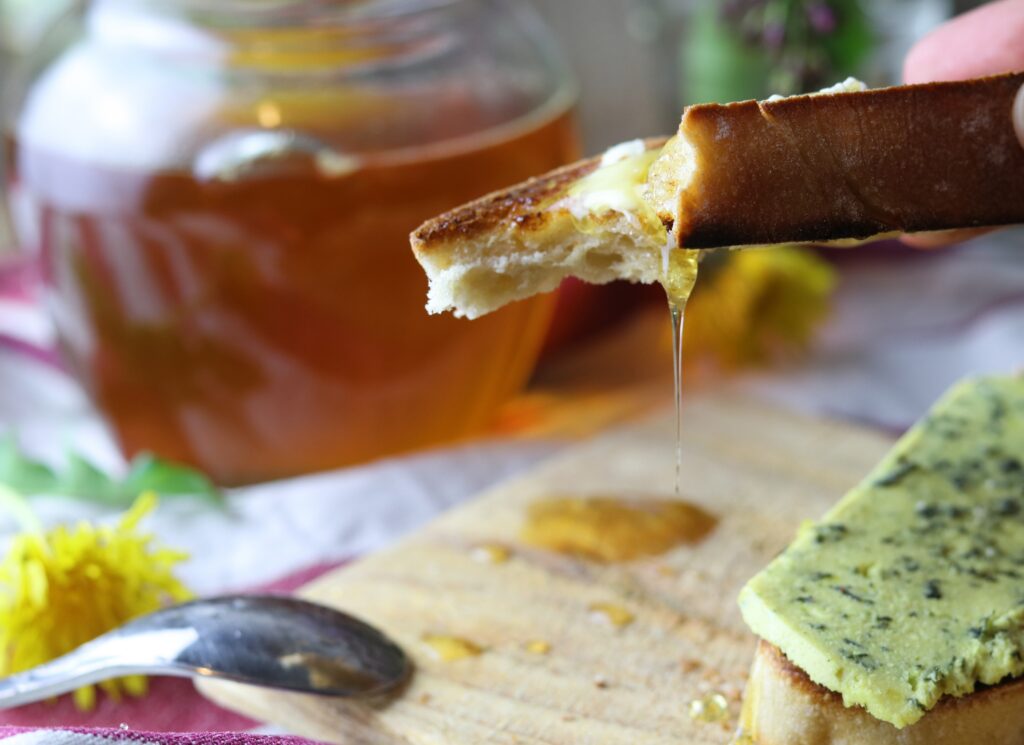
450,648
538,646
613,529
490,553
612,615
742,738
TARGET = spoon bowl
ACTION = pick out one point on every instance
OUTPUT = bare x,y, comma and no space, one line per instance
263,640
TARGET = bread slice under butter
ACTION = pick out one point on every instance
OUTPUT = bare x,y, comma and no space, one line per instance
839,164
909,593
782,706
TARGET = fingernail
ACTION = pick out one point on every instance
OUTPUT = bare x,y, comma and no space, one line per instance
1018,115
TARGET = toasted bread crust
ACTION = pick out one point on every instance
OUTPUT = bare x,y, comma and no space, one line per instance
802,169
524,206
782,706
852,165
525,240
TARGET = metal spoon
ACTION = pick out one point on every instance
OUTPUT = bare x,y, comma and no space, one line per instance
264,640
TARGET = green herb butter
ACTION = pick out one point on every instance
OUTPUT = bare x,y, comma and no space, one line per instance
912,586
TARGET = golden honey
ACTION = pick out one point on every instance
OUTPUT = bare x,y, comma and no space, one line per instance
679,277
611,529
538,646
611,614
491,553
267,326
450,648
742,738
712,708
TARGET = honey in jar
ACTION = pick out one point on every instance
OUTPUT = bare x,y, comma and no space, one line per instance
220,200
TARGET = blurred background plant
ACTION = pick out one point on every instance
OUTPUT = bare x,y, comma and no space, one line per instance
748,309
640,62
738,49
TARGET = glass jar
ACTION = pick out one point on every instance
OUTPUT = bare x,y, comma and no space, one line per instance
220,195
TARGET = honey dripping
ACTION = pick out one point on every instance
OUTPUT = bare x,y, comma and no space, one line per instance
679,275
612,529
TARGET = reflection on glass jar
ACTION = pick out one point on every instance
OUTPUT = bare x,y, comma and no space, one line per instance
221,195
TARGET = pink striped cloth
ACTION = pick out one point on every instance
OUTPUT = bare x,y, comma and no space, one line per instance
79,736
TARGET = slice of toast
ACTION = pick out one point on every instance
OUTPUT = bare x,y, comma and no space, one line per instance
782,706
812,168
818,167
526,239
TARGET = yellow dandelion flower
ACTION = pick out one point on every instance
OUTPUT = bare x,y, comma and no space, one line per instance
758,305
63,587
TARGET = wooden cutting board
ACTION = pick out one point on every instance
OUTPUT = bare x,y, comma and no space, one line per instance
759,470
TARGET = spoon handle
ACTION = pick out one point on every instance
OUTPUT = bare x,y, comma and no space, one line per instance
106,657
62,675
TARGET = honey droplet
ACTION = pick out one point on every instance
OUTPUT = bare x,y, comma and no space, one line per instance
613,615
490,553
711,708
609,530
450,648
538,646
679,275
742,738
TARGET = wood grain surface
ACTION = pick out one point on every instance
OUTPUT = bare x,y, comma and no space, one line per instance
759,470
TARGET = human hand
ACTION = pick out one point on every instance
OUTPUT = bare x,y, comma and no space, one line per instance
985,41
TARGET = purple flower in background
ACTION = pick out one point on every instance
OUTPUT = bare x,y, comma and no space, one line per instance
822,17
736,9
773,35
732,9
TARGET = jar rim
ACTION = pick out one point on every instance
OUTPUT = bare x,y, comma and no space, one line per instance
260,13
381,33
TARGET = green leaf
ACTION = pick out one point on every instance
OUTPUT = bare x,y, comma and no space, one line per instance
149,473
853,41
21,473
716,64
81,479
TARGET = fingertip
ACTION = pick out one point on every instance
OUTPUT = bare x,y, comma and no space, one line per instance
1018,115
917,65
983,41
940,238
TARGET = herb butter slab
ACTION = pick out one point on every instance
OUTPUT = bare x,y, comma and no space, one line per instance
912,586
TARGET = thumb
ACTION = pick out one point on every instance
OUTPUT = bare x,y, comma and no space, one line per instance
1018,115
